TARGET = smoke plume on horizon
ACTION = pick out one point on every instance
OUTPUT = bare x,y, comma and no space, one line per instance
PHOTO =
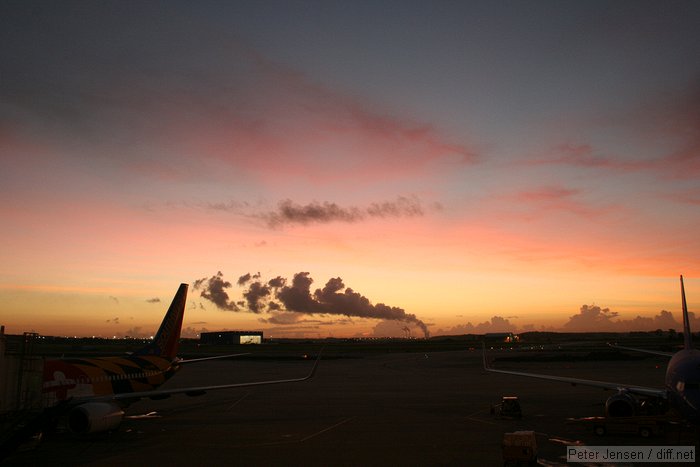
280,295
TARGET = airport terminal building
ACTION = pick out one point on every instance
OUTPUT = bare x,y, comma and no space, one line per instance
231,337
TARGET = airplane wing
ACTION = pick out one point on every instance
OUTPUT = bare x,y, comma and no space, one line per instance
194,360
653,352
641,390
199,390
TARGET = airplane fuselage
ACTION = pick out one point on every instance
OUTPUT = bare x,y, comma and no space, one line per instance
78,378
683,382
92,392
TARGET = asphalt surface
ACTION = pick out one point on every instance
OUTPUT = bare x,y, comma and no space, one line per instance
386,409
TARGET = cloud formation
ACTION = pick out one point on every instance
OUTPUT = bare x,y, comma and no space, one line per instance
281,298
672,117
586,156
592,318
214,97
495,324
289,212
555,198
682,122
214,290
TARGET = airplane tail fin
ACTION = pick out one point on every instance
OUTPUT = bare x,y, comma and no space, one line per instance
166,341
686,322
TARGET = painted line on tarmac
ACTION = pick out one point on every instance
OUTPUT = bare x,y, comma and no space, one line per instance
342,422
236,403
476,413
295,441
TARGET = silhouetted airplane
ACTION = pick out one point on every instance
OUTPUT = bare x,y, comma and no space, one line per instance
95,391
682,391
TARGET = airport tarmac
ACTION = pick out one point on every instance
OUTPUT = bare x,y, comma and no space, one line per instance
383,409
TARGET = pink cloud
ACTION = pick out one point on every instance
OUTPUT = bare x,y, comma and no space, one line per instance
324,147
585,155
554,198
355,115
274,122
684,125
245,117
536,230
687,197
547,194
666,127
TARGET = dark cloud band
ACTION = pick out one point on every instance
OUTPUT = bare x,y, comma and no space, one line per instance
289,212
278,295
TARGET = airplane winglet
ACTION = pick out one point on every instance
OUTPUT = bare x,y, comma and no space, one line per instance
687,341
483,356
313,369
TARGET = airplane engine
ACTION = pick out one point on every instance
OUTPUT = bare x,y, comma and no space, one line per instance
622,404
94,417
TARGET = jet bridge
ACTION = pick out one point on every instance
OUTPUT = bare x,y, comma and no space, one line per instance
20,373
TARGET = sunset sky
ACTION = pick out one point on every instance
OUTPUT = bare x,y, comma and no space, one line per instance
460,166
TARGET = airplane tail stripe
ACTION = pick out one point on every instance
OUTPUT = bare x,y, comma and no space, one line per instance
167,339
